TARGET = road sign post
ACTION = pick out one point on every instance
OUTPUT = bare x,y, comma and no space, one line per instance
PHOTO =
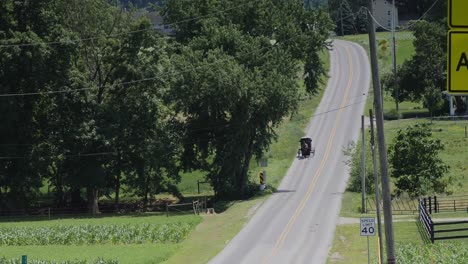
367,228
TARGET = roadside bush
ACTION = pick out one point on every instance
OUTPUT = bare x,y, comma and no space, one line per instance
354,152
392,115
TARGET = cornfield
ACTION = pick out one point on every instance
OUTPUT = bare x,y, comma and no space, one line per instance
94,234
447,253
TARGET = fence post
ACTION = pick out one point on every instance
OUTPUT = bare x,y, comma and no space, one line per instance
198,184
454,206
424,203
24,259
430,205
436,207
49,212
432,231
167,210
419,206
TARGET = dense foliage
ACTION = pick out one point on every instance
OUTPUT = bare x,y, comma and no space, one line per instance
100,128
94,99
416,166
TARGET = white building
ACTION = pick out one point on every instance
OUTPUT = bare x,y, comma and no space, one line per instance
383,13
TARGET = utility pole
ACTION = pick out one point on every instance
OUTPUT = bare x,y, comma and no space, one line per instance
387,202
363,167
341,17
395,79
376,184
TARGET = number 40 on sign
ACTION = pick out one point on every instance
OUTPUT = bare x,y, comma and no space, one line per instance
367,226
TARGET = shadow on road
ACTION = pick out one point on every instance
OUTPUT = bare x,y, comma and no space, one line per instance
284,191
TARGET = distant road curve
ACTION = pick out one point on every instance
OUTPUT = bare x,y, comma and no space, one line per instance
296,224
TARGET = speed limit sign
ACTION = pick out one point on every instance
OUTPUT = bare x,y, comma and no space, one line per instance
367,226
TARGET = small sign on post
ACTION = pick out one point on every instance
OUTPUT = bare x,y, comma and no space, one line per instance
367,226
262,179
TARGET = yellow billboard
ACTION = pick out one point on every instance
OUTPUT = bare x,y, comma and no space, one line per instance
457,13
457,62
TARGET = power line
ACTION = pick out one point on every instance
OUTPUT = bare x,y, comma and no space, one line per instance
143,79
183,142
51,156
123,33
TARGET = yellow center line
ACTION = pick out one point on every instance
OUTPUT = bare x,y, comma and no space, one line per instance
311,188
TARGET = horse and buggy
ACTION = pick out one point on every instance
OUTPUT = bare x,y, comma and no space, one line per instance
306,148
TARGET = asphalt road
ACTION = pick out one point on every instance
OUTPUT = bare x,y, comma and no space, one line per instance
296,224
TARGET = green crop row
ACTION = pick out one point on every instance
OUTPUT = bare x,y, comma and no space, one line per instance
94,234
441,252
18,261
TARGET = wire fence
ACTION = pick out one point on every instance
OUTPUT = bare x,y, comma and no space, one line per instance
192,206
195,207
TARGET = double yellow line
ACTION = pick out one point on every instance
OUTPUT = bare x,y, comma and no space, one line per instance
287,228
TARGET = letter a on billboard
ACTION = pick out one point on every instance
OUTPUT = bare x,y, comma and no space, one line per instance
457,63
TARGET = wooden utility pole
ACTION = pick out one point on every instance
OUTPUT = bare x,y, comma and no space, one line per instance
363,167
341,16
387,202
376,184
395,78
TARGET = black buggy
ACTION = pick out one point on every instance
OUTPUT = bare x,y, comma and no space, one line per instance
306,148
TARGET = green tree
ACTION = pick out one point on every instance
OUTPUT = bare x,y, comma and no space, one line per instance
416,166
239,79
424,75
26,69
101,130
